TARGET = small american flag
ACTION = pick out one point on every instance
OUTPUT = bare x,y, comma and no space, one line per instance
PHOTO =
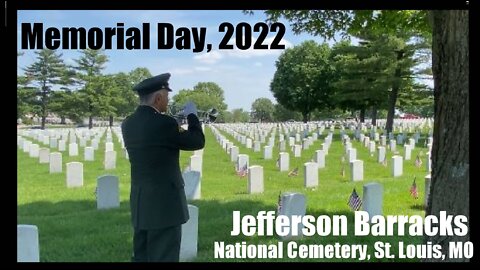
342,172
294,172
354,201
413,189
418,162
243,171
279,203
278,162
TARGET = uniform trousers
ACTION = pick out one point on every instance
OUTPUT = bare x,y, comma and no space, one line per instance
162,245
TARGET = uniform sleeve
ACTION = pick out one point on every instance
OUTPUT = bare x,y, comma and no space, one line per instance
191,139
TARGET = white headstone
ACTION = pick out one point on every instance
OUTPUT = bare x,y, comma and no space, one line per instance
256,146
291,141
192,185
255,179
320,158
293,204
108,146
108,195
408,152
356,169
95,144
371,147
428,163
26,146
249,143
412,143
383,140
373,199
367,142
61,145
196,163
393,145
28,249
198,153
282,146
400,139
44,155
284,161
20,142
381,154
83,142
325,148
89,154
46,140
242,161
74,174
189,241
34,150
53,143
305,144
267,152
310,176
397,166
297,150
352,154
110,161
233,153
55,162
73,149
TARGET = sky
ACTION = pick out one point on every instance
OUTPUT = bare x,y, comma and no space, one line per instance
244,75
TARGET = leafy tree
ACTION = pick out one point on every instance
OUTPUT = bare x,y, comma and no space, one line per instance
240,116
262,109
303,77
282,114
89,66
206,96
43,75
224,117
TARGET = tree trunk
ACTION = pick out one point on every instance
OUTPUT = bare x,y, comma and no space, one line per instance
305,116
44,106
392,100
90,117
374,115
362,115
90,122
110,120
449,190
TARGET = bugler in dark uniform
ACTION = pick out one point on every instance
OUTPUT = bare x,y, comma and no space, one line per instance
157,198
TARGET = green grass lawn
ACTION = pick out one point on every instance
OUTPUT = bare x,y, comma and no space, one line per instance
71,229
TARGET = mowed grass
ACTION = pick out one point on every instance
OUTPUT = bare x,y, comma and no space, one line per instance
71,229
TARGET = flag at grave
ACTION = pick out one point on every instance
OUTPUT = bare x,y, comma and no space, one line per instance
354,201
418,162
278,162
294,172
413,189
342,172
243,171
279,203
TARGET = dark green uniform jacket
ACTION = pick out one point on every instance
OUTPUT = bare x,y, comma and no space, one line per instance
153,141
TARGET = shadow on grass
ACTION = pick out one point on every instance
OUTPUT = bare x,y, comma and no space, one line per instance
418,207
